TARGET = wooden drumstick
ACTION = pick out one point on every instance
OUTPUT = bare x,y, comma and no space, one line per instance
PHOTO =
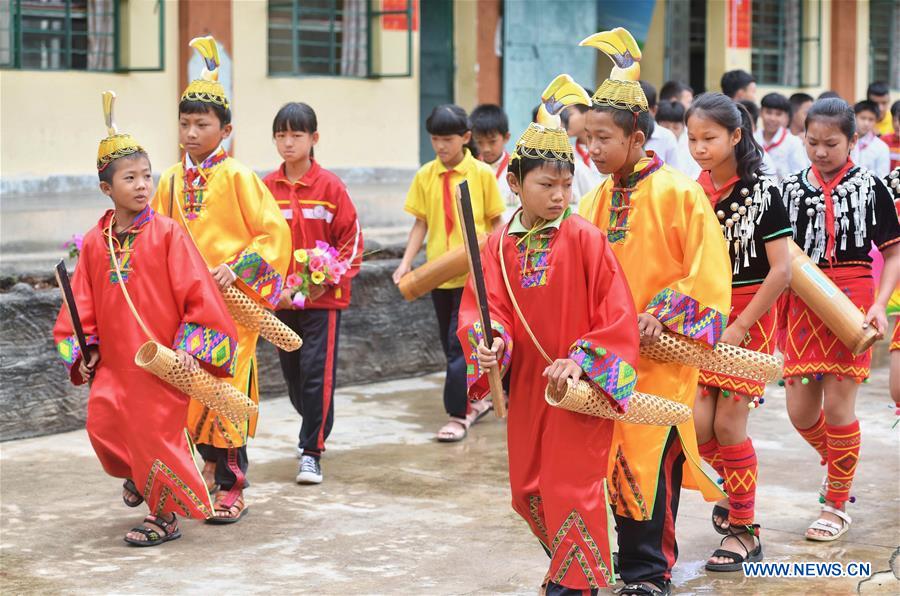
62,278
470,241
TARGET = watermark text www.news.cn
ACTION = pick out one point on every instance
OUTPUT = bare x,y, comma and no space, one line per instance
808,569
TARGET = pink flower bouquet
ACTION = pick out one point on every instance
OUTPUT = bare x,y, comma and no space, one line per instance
73,245
316,266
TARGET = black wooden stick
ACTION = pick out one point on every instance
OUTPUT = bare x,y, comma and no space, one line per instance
62,278
473,251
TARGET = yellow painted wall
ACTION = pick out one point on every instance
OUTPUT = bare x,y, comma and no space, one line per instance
653,61
862,51
52,122
362,122
465,43
716,43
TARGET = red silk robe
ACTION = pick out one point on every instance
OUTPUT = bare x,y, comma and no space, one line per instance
136,422
576,301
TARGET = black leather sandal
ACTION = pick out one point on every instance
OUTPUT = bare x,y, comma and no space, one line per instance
170,531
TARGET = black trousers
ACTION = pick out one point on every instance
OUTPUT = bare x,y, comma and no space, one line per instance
310,373
446,307
647,549
231,465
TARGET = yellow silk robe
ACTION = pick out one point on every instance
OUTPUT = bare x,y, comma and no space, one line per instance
233,219
670,247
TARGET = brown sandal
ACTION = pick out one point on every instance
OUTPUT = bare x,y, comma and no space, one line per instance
231,502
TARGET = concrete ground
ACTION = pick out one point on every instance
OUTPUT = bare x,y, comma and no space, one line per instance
401,514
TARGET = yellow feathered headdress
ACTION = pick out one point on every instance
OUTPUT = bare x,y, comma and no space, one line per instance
117,144
207,88
622,89
546,139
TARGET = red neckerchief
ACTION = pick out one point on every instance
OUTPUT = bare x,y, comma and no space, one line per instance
584,153
504,162
827,189
709,187
770,146
449,206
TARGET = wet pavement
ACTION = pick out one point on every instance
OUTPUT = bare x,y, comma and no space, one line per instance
401,514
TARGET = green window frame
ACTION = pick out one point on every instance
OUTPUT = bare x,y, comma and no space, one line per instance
69,35
772,61
332,38
786,42
884,46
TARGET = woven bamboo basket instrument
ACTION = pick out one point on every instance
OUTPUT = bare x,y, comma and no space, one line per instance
432,274
643,408
251,315
198,384
725,359
829,303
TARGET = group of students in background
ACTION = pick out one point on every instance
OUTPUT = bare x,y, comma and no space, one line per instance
683,225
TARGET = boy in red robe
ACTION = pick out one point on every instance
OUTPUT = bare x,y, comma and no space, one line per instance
571,293
135,421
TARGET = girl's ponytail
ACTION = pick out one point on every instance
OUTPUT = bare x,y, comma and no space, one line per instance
747,152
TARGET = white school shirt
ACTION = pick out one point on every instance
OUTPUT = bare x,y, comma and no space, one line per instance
587,177
500,169
786,152
685,161
873,154
662,142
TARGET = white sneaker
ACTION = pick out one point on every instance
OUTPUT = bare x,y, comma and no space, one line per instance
310,471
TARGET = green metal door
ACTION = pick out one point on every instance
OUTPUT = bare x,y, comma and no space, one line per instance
541,41
435,64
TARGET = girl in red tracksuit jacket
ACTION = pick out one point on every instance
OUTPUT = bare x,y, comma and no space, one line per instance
318,209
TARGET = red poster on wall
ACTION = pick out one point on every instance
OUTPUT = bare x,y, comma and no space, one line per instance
739,24
397,22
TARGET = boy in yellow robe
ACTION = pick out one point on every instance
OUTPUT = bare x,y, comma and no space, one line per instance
244,239
666,237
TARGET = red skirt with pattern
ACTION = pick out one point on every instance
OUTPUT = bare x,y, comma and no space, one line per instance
760,338
895,339
811,348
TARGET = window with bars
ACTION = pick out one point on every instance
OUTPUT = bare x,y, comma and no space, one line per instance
71,34
58,34
351,38
884,42
776,32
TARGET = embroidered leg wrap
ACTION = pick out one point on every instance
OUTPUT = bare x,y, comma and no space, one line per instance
740,466
815,436
843,455
710,453
239,478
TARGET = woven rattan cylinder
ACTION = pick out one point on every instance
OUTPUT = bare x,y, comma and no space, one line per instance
249,314
725,359
198,384
584,398
830,304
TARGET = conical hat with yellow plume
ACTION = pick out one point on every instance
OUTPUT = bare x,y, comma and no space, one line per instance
207,88
546,139
117,144
622,89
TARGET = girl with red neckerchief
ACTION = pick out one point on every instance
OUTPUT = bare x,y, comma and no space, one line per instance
757,231
837,210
